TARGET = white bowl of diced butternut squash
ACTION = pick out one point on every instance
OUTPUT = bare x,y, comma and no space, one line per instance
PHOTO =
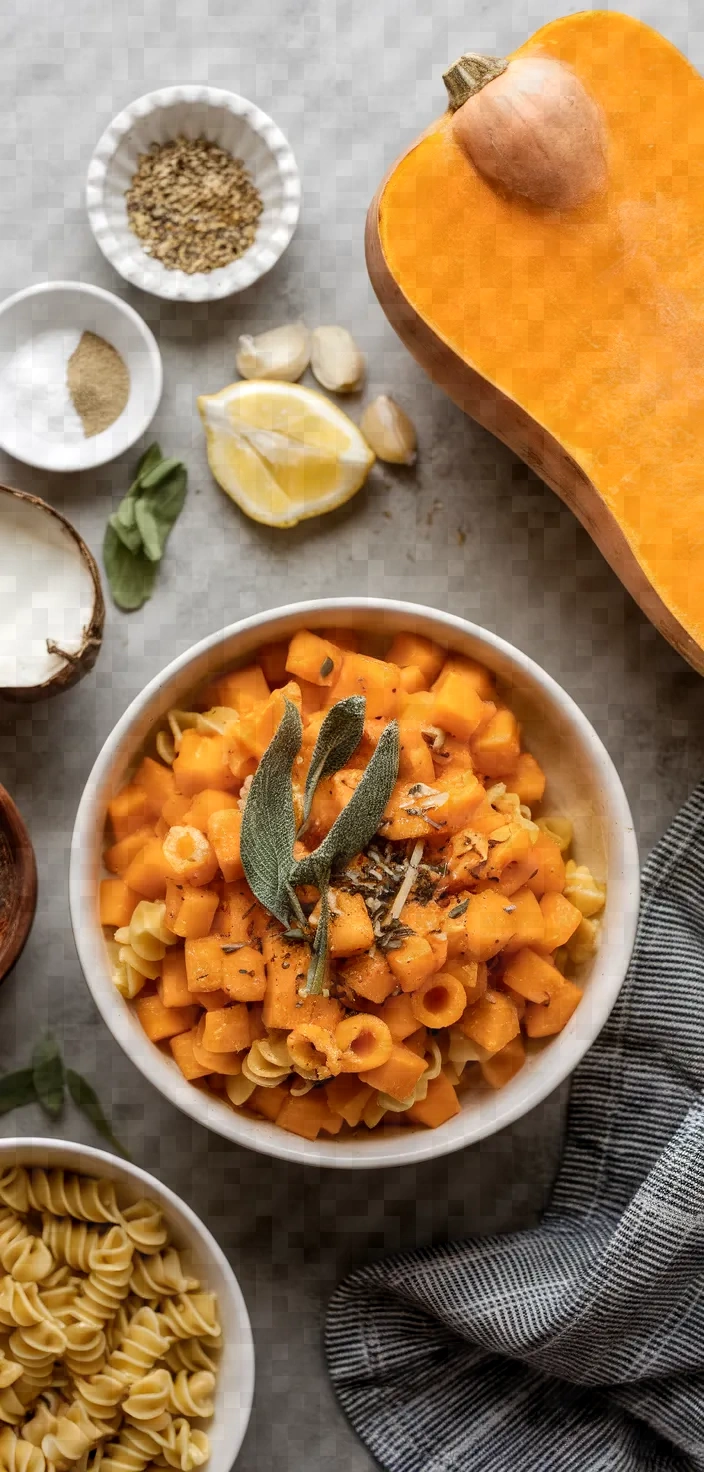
354,883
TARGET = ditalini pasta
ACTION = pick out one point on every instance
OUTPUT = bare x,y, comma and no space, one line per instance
111,1346
450,935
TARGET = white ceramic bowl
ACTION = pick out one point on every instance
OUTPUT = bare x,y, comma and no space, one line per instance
41,325
235,1382
226,119
582,783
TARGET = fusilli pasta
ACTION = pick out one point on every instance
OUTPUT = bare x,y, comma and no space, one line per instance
91,1309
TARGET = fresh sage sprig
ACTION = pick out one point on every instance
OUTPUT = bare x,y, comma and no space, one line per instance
339,735
45,1083
268,822
137,533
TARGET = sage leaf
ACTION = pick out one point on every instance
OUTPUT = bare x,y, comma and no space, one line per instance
148,531
48,1076
268,822
128,533
86,1099
361,816
155,475
339,735
17,1089
148,461
165,502
315,980
130,574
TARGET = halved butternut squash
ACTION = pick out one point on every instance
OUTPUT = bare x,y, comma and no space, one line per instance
576,334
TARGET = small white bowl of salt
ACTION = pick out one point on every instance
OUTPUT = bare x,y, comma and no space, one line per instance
80,376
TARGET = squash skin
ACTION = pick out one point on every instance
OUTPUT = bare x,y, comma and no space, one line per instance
663,590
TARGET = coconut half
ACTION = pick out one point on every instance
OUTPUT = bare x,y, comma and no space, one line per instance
51,602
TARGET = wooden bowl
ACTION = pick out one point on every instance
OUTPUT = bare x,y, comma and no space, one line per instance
18,883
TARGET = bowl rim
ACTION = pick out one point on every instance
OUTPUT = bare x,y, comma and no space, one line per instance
52,1149
200,287
86,288
416,1146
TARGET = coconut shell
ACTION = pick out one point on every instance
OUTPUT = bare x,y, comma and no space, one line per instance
78,664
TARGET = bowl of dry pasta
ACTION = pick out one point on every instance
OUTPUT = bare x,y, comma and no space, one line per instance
354,883
126,1337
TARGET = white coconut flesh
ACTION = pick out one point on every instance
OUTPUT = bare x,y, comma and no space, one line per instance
47,594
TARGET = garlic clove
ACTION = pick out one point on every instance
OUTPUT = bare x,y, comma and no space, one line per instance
282,353
336,360
389,431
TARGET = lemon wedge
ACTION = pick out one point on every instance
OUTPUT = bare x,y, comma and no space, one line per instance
281,451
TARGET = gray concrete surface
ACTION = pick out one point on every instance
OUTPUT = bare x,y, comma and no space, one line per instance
470,530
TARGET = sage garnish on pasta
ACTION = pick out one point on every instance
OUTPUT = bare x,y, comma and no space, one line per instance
339,735
269,825
45,1083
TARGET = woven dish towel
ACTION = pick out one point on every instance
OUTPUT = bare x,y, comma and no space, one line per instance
580,1344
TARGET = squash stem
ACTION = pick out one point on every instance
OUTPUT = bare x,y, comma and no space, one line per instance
469,74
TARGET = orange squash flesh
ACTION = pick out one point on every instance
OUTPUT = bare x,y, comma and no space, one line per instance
577,338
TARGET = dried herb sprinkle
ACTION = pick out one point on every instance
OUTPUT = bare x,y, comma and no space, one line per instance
193,206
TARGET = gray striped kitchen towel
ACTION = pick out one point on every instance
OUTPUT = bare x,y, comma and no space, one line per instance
580,1344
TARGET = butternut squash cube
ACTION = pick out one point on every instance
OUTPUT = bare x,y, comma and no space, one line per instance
532,976
347,1096
268,1102
412,962
415,759
544,1022
477,675
497,747
528,922
239,916
377,680
202,762
308,1114
397,1013
243,974
117,903
228,1064
527,780
504,1065
314,659
196,913
457,707
370,977
351,929
331,796
548,866
415,650
157,782
224,829
226,1029
560,920
257,730
241,690
204,963
149,871
413,680
128,811
399,1076
488,925
120,855
439,1105
211,800
175,809
491,1022
173,985
182,1051
160,1022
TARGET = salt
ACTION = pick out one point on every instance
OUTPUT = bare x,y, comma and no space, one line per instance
34,391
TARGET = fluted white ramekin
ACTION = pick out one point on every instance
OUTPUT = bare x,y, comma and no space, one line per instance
194,112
